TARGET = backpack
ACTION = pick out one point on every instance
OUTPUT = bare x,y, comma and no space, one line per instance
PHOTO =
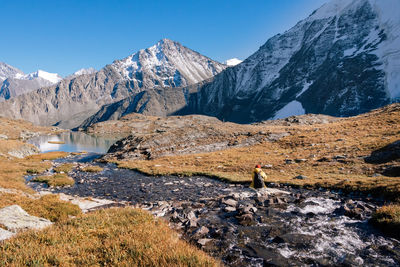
258,181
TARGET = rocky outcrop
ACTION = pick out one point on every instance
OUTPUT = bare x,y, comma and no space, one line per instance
177,135
70,102
15,219
23,151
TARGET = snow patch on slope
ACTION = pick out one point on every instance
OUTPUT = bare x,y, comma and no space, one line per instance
233,62
291,109
389,51
51,77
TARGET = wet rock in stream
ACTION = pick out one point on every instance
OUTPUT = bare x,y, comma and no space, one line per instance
244,227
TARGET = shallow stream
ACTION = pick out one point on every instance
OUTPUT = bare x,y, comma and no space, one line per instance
244,227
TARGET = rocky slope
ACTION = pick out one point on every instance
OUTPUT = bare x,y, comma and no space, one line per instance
67,104
148,137
342,60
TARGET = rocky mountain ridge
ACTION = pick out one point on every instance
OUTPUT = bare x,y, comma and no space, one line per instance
165,65
14,82
342,60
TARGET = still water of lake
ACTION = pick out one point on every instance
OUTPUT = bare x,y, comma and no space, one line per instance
72,142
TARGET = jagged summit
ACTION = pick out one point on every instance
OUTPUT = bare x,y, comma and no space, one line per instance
167,64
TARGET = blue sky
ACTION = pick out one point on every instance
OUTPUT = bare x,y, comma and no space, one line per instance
64,36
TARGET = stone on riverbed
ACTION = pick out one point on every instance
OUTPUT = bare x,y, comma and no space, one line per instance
15,219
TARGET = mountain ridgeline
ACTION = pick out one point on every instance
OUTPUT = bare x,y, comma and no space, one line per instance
67,104
342,60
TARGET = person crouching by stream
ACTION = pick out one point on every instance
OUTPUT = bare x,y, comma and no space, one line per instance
258,178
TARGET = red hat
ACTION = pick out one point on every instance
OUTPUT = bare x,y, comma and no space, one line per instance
258,166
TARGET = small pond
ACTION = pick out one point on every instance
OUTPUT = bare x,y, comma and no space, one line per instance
72,142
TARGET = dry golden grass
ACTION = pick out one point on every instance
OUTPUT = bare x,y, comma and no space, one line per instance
49,155
387,218
58,179
92,169
14,128
12,170
66,167
354,137
49,206
113,237
56,142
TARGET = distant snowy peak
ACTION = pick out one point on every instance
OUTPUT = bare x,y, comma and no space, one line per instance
51,77
233,62
82,72
7,71
166,64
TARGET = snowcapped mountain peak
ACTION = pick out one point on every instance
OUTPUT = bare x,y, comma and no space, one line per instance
233,62
82,72
331,9
7,71
166,64
51,77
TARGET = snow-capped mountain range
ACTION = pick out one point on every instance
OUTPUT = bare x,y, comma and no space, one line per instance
14,82
68,103
344,59
166,64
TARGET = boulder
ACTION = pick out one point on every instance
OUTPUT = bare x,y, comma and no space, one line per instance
229,202
4,234
15,219
203,241
201,231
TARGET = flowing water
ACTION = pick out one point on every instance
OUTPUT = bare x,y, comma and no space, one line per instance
300,228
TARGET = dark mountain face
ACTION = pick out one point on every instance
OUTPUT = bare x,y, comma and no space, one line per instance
340,61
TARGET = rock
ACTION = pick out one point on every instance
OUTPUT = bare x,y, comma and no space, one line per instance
261,199
301,177
200,231
3,137
229,209
24,151
324,159
246,219
288,161
340,157
15,219
300,160
268,166
203,241
229,202
355,213
4,234
278,239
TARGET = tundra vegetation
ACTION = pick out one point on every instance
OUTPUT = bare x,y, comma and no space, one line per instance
116,236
